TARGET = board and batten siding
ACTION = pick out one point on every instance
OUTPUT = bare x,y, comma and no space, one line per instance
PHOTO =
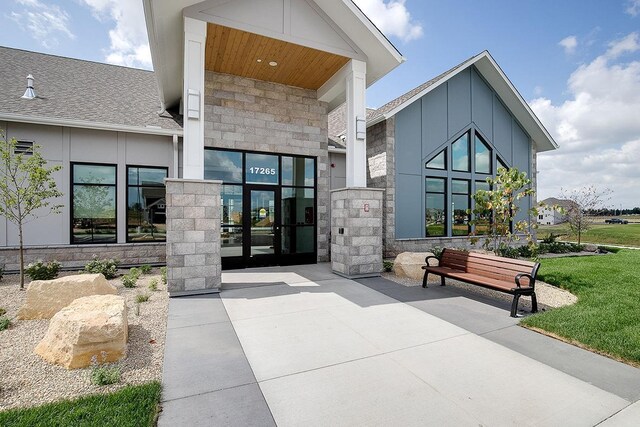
425,127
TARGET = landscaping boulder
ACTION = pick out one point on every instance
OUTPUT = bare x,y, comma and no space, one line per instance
90,330
409,264
46,297
590,248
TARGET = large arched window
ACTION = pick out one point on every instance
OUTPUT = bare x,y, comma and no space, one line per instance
452,176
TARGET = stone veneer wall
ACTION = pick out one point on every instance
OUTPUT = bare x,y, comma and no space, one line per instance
254,115
356,234
193,236
77,256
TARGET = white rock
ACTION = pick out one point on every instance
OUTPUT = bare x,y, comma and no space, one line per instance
409,264
90,329
46,297
590,247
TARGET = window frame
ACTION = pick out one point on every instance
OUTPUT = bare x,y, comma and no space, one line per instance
469,169
468,194
445,194
127,167
72,184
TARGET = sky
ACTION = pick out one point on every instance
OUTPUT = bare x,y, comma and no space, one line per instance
576,62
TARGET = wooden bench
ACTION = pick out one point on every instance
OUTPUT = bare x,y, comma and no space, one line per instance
512,276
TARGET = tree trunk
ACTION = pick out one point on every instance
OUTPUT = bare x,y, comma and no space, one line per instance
21,257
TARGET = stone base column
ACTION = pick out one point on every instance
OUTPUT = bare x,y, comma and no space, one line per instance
193,236
356,232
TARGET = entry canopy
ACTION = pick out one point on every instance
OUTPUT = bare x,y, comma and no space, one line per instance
301,43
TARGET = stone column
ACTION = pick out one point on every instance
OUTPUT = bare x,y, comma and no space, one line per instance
356,232
193,236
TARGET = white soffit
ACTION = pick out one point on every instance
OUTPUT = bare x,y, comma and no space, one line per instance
335,26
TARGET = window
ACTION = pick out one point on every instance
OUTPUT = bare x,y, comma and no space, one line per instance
460,202
483,156
435,209
540,216
261,169
231,229
298,205
93,203
502,164
222,165
146,204
438,162
298,171
483,221
460,154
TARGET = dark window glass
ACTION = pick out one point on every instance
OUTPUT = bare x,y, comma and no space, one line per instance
146,205
297,240
231,229
502,164
460,204
261,169
483,185
483,221
94,204
438,162
483,156
460,154
435,209
298,206
298,171
223,165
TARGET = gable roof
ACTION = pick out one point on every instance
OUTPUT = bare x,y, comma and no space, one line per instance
493,74
78,93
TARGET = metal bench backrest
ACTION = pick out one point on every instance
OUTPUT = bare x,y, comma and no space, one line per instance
491,266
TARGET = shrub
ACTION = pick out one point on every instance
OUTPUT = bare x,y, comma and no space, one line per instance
528,251
550,238
142,298
436,251
129,281
508,252
146,269
163,275
387,265
40,270
108,267
5,322
153,285
105,375
135,272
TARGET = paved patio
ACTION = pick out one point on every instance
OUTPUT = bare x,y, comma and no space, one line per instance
301,346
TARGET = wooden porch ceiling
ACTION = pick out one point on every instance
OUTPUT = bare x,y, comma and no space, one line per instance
245,54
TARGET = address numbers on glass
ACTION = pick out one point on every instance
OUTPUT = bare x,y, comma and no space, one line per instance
263,171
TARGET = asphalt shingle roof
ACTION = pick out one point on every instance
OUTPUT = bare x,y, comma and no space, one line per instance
75,89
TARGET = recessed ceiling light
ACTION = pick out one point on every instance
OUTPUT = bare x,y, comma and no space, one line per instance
259,60
273,63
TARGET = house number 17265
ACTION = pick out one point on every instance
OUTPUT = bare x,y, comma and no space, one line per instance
262,171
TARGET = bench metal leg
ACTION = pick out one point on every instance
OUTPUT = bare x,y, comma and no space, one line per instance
441,280
514,305
424,279
534,303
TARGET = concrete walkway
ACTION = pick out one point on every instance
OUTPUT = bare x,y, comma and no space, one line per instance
301,346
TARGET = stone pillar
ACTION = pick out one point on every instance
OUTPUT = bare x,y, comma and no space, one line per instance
356,232
193,236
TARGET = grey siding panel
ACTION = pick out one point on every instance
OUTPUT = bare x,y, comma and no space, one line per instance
409,207
502,130
434,121
482,105
521,150
459,95
408,140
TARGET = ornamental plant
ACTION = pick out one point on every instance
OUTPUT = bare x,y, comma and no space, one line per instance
40,270
27,188
495,211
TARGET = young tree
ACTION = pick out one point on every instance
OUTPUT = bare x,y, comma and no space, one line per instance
26,187
582,200
495,210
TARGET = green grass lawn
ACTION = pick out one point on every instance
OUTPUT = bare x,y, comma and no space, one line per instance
131,406
611,234
606,317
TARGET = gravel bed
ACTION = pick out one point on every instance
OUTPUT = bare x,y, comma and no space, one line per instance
27,380
549,296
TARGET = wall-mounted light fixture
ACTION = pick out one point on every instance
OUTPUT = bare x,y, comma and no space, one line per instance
361,128
193,104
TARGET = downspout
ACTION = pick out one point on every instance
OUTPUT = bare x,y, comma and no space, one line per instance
175,156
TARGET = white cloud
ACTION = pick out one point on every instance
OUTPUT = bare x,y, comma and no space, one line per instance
44,22
569,44
597,128
633,7
392,18
129,43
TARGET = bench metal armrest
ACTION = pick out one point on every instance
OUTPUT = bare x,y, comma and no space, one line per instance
426,260
532,281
